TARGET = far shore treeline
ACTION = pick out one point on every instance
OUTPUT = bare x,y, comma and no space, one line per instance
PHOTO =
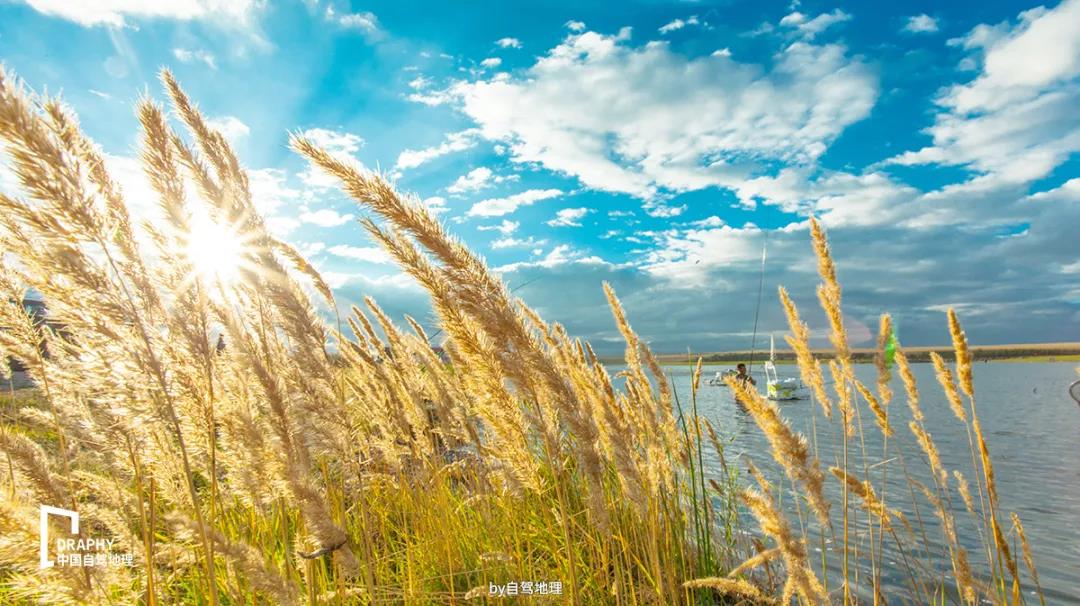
1048,352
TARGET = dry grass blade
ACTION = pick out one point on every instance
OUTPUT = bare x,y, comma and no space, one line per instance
829,292
963,354
799,341
880,414
886,339
945,377
731,588
910,387
965,491
801,579
755,561
244,450
1029,560
789,448
930,450
865,491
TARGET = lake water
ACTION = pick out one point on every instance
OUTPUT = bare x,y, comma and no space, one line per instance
1032,428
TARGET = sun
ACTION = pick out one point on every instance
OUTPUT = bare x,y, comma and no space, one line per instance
215,251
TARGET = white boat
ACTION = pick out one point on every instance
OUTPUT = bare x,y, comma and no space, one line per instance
788,388
776,388
719,378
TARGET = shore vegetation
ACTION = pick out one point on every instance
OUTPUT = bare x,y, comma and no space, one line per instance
322,455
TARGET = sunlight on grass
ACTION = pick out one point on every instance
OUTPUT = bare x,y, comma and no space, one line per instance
271,470
215,251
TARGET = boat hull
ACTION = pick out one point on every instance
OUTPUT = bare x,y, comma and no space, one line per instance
785,389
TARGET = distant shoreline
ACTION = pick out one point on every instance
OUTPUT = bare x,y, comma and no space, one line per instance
1035,352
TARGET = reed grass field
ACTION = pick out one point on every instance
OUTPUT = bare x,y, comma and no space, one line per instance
321,458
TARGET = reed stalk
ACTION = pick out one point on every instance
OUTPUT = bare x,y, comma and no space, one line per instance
334,457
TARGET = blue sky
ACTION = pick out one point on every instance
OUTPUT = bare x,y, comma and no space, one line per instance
655,145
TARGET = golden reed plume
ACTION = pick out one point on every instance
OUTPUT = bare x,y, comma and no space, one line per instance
249,438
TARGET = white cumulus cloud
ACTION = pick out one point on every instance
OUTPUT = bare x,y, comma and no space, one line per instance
325,217
678,24
185,55
600,109
454,142
505,228
116,12
436,204
569,217
334,141
419,83
368,254
339,144
271,195
812,27
497,207
563,254
921,24
366,22
686,257
477,179
230,126
1017,120
509,242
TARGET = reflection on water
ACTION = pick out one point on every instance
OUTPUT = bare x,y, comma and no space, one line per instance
1032,428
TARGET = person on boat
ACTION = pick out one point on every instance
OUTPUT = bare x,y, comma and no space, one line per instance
742,376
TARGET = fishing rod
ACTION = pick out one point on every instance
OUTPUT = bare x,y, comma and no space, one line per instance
757,310
512,291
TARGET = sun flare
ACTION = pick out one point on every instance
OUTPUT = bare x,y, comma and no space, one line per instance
215,250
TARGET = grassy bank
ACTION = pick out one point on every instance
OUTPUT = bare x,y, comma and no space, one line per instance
1044,352
1043,358
269,471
